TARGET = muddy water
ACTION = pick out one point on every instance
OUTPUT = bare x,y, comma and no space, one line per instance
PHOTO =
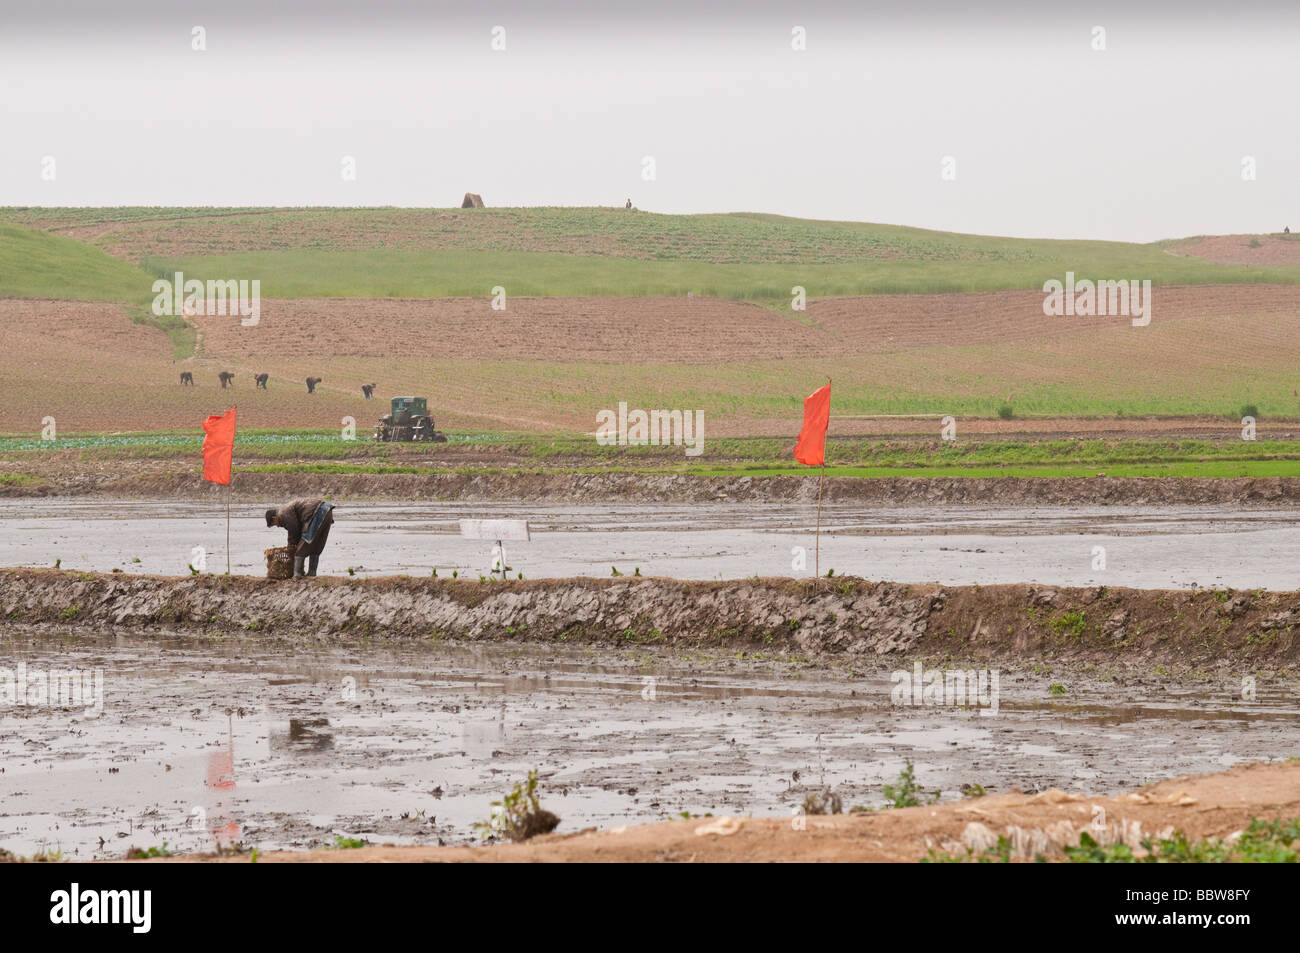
1158,547
200,745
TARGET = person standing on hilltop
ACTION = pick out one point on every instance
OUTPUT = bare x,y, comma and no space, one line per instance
308,523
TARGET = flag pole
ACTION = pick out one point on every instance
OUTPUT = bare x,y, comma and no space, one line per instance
216,429
817,564
808,444
817,552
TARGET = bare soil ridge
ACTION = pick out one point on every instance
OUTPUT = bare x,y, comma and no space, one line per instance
825,617
153,481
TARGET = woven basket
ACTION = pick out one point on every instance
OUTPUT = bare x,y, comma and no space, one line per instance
279,563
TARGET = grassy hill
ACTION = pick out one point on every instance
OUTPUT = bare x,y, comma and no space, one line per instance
36,264
390,252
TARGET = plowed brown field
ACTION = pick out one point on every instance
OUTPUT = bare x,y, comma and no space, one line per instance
698,330
1258,250
550,363
881,323
622,330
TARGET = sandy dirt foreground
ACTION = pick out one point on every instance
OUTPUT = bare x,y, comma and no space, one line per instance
1205,806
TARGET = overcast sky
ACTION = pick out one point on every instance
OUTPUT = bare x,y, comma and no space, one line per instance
1142,141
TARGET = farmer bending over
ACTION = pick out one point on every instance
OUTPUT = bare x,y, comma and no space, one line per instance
308,523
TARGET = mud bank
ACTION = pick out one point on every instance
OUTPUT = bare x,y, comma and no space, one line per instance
837,616
671,488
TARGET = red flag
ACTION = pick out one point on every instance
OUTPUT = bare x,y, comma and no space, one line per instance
218,446
811,448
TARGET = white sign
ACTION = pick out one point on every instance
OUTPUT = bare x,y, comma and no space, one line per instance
495,529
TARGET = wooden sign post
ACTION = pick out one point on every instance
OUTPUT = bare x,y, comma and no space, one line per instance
496,530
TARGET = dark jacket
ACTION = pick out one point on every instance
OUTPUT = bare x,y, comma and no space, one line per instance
294,517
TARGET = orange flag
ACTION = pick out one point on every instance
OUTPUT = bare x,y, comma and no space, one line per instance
218,446
811,448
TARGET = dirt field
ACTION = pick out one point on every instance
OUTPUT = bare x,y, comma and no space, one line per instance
83,363
632,330
881,323
1256,250
94,370
549,364
696,330
1207,806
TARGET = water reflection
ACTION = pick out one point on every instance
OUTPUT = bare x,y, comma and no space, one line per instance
221,783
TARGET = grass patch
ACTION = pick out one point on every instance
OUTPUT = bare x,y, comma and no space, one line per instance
1263,842
1071,623
1210,469
519,815
143,853
36,264
322,451
906,792
411,273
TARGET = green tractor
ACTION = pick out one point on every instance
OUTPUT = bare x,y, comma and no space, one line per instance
409,420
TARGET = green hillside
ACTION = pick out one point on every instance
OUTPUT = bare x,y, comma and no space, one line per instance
599,251
36,264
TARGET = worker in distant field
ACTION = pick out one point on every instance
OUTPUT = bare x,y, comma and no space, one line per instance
308,523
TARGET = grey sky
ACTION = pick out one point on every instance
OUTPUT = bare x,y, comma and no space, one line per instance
1051,138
